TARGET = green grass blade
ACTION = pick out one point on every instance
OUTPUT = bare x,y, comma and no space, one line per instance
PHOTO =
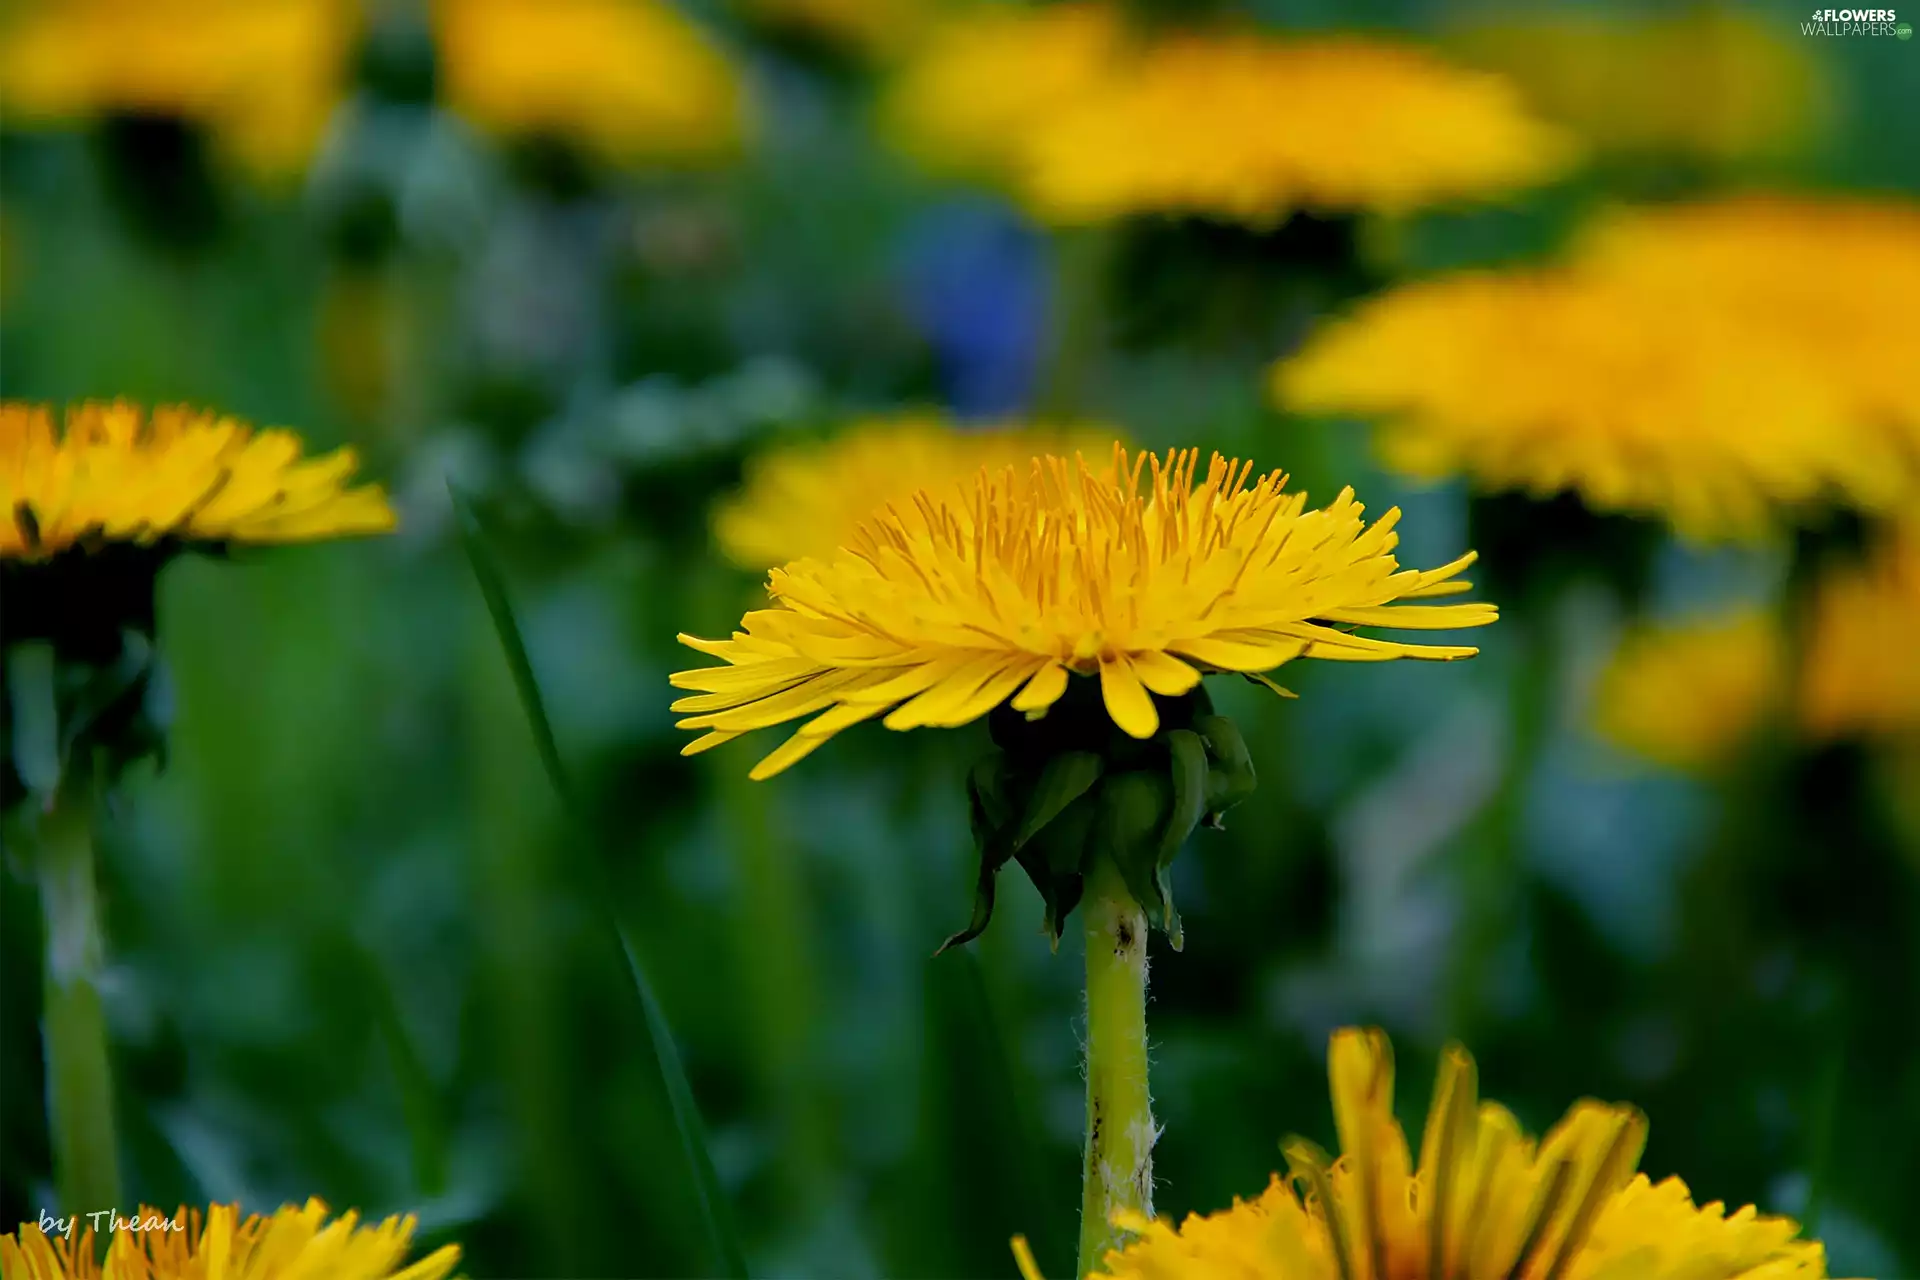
673,1076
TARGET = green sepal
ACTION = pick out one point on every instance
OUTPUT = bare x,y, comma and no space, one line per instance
1055,860
1230,776
989,812
1267,682
35,707
1134,808
1063,780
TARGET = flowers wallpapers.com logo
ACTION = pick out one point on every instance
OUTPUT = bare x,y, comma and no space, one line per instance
1856,22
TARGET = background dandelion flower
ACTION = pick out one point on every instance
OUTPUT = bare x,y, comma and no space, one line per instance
628,80
1248,128
941,609
291,1241
1688,695
1859,676
807,500
1484,1200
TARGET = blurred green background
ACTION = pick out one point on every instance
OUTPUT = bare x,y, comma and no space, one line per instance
351,953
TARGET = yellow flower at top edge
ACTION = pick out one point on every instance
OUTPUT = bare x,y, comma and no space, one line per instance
1484,1202
1251,128
1687,695
1716,365
979,83
115,474
630,81
1859,676
294,1241
1712,83
262,75
941,608
808,499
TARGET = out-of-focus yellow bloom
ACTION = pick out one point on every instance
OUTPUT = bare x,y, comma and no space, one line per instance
295,1241
870,27
939,610
1484,1203
1711,83
1687,695
1859,676
970,96
1250,128
1710,364
262,76
118,475
807,500
630,81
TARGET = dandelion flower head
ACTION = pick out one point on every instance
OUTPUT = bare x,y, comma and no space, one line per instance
116,474
1142,573
1687,695
628,80
1251,128
294,1241
262,75
1709,83
808,499
1859,677
1484,1202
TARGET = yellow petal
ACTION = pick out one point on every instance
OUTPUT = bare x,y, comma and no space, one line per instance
1126,698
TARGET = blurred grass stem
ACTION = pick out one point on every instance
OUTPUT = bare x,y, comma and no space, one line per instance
1082,258
79,1075
1118,1173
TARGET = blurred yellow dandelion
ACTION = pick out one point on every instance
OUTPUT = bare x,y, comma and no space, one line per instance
1484,1201
976,86
262,75
1251,128
294,1241
628,80
944,607
115,474
1859,676
1715,365
1687,695
807,500
1710,82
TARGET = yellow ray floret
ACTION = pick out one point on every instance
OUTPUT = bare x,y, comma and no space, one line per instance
118,474
941,608
1251,128
808,499
295,1241
628,80
1485,1202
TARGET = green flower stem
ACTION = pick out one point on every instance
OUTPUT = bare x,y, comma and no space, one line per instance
79,1076
1119,1160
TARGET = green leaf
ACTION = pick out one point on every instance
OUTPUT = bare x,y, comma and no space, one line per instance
36,716
1063,779
673,1075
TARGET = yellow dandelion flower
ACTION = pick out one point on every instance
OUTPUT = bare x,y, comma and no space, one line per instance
115,474
294,1241
979,82
1710,83
1858,674
262,75
1715,365
629,80
1687,695
1251,128
807,500
1484,1201
941,609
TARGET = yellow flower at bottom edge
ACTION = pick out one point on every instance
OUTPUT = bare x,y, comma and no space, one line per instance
1250,128
294,1241
942,608
116,474
1686,695
262,75
808,499
1859,676
1485,1202
631,80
